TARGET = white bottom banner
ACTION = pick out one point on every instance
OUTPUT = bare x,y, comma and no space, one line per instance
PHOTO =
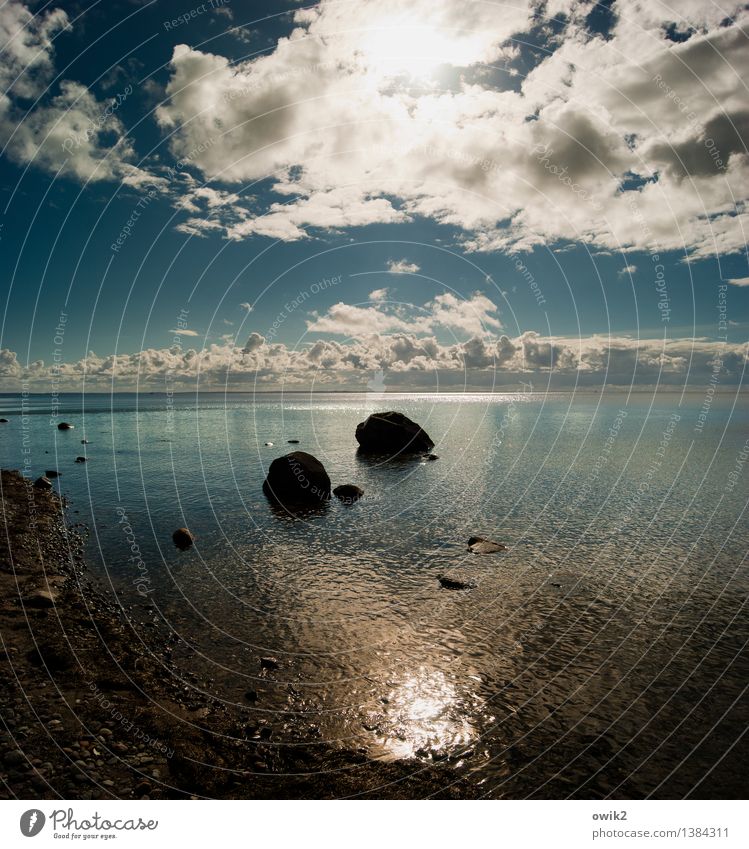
368,824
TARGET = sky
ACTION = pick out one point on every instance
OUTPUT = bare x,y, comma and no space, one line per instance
412,194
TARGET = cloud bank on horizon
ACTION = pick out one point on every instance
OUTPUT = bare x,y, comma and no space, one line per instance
623,135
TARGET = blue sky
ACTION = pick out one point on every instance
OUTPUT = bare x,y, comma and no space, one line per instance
521,182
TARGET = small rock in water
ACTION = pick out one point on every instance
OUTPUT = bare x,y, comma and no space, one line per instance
3,421
479,545
84,442
269,663
432,457
268,444
183,539
348,493
65,426
43,483
293,441
80,459
52,473
455,583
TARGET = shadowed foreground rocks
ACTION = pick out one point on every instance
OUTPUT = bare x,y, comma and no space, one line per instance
92,709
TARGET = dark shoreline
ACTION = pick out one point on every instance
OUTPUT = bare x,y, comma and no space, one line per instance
89,711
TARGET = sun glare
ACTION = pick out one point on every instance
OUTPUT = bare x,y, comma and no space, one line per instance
398,47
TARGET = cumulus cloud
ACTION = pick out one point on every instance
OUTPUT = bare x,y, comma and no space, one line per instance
627,270
27,50
409,361
72,132
247,307
474,315
738,281
379,294
368,113
402,266
630,141
254,343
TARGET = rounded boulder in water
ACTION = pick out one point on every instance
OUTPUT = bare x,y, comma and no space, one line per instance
183,539
348,493
391,434
297,479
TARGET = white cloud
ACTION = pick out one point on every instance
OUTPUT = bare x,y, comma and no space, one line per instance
72,132
26,50
402,266
625,166
247,307
379,294
474,315
738,281
409,361
383,112
183,332
627,270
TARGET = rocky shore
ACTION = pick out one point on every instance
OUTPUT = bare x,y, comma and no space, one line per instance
91,711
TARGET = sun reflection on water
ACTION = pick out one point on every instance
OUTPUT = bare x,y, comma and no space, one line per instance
424,714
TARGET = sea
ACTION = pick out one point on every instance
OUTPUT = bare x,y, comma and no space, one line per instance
603,654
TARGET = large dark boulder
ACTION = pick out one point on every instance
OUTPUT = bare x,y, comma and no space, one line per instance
392,433
297,478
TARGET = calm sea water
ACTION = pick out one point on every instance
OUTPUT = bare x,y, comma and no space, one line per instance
603,653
